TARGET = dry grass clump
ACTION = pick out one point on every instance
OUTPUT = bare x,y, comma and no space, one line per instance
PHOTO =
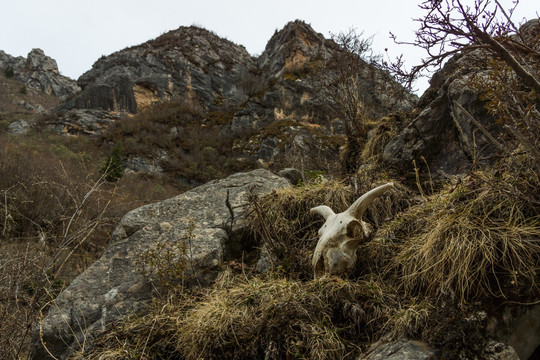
287,231
477,239
384,131
282,318
241,318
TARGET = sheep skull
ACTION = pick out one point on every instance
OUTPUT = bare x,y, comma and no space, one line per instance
341,235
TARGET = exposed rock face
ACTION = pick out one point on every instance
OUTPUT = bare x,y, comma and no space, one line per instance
112,287
440,131
519,328
190,62
39,71
85,121
292,114
19,127
283,86
433,133
16,64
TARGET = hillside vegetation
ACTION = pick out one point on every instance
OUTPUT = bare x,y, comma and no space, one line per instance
448,255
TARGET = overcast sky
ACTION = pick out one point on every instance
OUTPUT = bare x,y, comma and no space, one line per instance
77,32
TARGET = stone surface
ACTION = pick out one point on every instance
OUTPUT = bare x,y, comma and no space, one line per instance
401,350
112,286
39,71
293,175
440,131
433,133
190,61
19,127
518,327
84,122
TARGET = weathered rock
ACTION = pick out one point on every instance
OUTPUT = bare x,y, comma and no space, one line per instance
295,66
209,216
433,133
442,133
138,164
190,62
518,327
20,127
39,71
85,122
402,350
11,63
498,351
293,175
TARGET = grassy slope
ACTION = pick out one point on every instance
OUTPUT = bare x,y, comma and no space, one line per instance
470,246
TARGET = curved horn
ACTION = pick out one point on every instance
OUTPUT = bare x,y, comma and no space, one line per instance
358,208
323,210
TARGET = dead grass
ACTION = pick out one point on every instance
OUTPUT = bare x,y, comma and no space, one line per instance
475,240
245,318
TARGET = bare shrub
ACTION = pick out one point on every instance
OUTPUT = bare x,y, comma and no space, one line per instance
55,219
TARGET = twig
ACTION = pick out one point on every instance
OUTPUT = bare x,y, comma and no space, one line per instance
482,128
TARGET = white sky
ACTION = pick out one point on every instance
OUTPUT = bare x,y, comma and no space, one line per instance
77,32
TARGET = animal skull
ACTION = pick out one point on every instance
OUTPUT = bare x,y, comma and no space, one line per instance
341,235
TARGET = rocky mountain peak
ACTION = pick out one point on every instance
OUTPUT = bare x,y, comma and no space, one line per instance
189,39
189,61
39,71
292,47
38,61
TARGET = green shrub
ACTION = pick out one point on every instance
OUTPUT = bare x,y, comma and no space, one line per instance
8,72
113,168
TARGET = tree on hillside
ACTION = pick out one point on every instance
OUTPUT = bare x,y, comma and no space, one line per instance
511,90
348,100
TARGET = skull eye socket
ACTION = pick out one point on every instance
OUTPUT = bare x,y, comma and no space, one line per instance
354,229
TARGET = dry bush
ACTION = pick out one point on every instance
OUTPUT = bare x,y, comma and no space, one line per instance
56,217
476,240
178,136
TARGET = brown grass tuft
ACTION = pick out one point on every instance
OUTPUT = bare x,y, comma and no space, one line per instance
477,239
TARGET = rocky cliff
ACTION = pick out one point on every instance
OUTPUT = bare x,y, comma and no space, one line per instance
275,105
190,62
441,129
38,71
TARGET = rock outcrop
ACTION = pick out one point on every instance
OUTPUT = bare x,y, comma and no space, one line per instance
209,218
190,62
39,71
401,350
441,132
278,98
434,132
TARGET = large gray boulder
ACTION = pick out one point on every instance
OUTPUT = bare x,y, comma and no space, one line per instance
211,216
